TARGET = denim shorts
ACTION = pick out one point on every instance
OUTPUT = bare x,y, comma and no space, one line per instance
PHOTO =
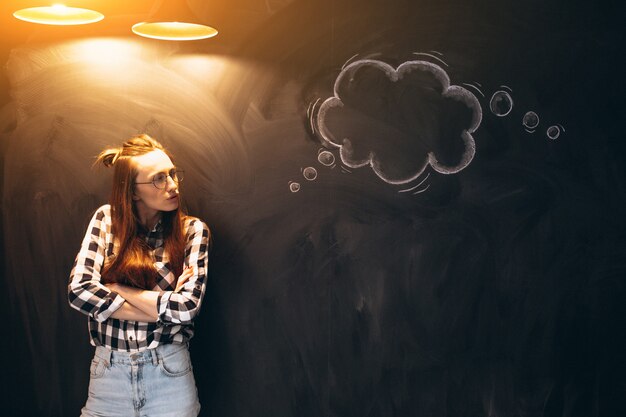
153,382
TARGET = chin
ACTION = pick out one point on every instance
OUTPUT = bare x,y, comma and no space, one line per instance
171,207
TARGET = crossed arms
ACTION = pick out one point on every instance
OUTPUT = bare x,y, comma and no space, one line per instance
87,294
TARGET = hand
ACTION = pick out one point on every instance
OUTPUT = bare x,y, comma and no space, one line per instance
183,278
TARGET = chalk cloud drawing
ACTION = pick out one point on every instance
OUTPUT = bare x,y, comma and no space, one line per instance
415,189
475,86
435,57
399,120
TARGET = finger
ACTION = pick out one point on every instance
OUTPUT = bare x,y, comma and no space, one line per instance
182,280
184,277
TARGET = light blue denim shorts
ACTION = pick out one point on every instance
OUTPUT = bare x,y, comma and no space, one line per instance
153,382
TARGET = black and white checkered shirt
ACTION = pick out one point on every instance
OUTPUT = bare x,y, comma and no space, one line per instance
176,310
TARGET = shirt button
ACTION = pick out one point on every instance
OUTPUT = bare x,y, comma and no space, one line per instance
131,338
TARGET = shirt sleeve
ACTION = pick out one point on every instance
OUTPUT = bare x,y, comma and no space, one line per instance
181,307
86,293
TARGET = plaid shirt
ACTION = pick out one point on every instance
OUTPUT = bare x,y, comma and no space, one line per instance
176,309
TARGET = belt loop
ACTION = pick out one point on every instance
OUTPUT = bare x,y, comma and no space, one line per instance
104,353
108,356
155,358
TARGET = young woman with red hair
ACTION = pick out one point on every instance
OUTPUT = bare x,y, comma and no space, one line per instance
140,276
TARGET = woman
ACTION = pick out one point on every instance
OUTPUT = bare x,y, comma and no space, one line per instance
140,276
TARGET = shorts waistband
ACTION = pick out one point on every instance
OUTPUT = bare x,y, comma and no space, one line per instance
148,355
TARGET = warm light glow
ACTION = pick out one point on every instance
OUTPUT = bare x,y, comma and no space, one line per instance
58,15
107,53
174,31
201,69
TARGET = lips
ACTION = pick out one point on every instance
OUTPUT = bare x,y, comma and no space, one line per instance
173,197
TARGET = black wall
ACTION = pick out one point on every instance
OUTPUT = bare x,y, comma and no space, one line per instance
491,284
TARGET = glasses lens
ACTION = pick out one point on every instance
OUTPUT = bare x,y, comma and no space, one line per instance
179,175
159,181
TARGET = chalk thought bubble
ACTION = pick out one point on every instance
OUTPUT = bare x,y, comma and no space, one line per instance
553,132
294,187
309,173
400,120
530,120
501,103
326,158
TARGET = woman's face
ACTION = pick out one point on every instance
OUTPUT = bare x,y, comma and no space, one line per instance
149,199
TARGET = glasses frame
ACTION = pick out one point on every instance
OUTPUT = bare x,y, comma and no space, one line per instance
178,173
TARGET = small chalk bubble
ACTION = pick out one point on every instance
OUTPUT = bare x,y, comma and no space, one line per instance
553,132
530,120
326,158
294,187
501,103
309,173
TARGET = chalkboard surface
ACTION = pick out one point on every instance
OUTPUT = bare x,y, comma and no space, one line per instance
416,206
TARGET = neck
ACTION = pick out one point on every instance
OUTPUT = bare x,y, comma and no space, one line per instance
152,221
148,217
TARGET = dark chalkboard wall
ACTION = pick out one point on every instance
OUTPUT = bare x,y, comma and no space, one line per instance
416,205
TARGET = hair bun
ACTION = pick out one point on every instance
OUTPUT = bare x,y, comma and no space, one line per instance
109,156
136,146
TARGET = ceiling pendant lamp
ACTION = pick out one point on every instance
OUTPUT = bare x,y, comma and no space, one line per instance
173,21
58,14
174,31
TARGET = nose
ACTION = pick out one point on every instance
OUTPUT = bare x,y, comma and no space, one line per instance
171,184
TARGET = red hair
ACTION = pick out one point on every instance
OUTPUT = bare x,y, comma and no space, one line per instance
133,263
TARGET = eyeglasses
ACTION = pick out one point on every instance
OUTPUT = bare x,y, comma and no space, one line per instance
160,179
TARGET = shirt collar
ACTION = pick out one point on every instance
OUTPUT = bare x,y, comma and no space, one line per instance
158,227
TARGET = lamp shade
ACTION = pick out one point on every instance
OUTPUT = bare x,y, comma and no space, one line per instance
174,31
58,15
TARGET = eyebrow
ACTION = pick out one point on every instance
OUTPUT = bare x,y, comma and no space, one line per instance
164,171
